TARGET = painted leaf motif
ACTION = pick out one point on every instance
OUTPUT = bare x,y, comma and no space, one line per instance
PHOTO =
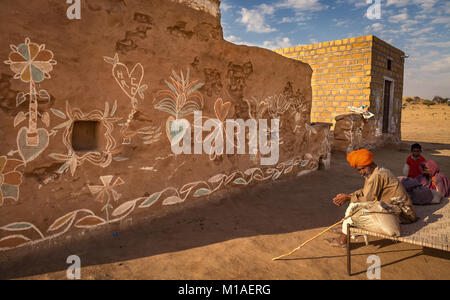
240,181
62,125
17,226
13,241
150,200
188,187
73,165
20,98
288,169
60,157
20,117
123,208
62,221
106,111
110,60
113,110
89,221
230,177
58,113
250,171
43,94
202,192
258,177
217,178
120,158
46,119
276,175
63,168
172,200
196,87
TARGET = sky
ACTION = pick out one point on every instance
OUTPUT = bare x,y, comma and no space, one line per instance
421,28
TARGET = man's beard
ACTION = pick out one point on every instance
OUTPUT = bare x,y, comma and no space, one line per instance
366,175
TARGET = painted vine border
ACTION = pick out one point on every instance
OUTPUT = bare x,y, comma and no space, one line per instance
85,218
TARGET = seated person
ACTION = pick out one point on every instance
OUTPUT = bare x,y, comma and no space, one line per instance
419,194
384,200
433,179
412,167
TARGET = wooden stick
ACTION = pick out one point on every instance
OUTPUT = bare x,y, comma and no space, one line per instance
317,235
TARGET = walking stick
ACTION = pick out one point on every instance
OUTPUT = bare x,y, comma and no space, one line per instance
317,235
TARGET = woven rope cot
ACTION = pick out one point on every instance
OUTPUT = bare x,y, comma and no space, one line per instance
432,229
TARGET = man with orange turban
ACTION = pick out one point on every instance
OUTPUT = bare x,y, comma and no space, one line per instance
384,199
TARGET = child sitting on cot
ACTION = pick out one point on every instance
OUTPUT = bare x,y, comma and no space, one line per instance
413,168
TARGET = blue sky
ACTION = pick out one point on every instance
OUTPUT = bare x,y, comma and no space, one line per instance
421,28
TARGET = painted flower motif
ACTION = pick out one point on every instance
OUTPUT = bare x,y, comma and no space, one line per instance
106,189
10,179
31,62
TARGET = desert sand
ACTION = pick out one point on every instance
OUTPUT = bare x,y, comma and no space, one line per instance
236,237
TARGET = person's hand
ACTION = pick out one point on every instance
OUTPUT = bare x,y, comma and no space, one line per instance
340,199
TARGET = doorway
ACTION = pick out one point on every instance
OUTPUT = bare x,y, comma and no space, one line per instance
387,103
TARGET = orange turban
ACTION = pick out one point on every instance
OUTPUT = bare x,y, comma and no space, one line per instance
362,157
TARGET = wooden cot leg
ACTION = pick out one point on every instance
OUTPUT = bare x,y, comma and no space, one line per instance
349,267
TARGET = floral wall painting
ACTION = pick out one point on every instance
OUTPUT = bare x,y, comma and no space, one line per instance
105,192
131,84
73,159
181,99
31,63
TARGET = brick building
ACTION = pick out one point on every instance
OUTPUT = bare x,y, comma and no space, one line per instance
355,72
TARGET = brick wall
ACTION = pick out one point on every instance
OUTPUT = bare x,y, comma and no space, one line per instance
351,72
341,74
381,52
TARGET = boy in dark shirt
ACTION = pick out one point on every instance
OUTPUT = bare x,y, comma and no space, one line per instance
413,167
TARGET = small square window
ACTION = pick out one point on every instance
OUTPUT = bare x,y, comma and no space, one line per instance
389,64
85,135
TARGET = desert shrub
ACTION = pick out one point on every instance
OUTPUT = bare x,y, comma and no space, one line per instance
440,100
428,102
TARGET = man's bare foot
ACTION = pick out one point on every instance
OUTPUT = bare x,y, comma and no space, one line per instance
341,241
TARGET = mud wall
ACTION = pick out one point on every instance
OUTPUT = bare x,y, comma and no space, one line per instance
89,109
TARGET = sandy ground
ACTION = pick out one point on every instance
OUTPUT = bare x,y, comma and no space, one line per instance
236,237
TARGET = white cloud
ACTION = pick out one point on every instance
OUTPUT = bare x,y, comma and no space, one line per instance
422,31
398,3
302,5
232,38
441,20
278,43
238,41
399,18
375,27
299,19
255,19
424,4
341,22
225,7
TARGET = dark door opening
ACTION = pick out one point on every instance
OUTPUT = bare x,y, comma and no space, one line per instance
386,102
